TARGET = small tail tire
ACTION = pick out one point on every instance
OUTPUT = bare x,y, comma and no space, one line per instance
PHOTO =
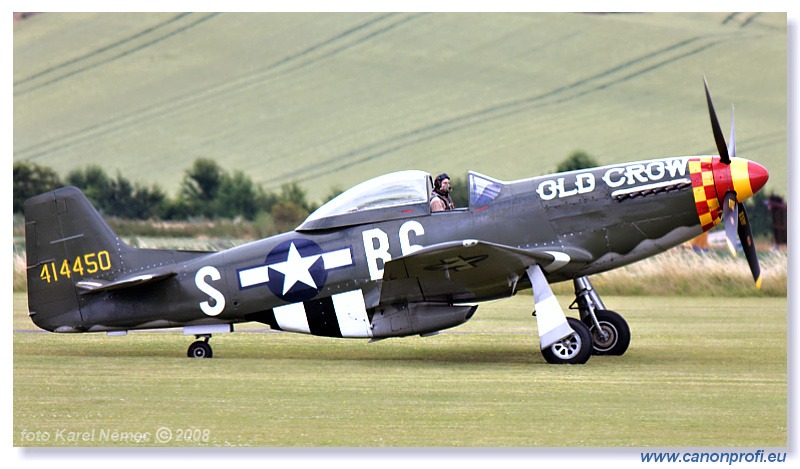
199,349
573,350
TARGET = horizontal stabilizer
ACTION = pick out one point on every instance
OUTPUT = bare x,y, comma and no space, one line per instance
98,285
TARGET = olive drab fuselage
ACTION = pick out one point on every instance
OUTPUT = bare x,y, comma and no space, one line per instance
375,262
592,220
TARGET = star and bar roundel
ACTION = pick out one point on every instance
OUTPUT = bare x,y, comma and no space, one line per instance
295,270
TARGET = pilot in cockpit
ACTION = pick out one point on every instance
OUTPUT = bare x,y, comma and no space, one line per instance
440,196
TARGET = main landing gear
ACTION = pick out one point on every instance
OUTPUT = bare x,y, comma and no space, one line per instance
562,340
200,348
571,341
610,332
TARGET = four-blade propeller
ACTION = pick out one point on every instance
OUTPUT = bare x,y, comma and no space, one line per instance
733,212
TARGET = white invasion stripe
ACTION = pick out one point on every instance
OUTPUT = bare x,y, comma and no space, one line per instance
292,318
335,259
351,312
657,185
254,276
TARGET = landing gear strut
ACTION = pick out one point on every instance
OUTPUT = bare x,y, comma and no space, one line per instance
200,348
610,332
562,340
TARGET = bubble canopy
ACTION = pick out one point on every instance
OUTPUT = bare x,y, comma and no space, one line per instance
381,196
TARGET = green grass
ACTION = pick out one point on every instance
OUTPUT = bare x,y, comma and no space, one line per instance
707,372
333,99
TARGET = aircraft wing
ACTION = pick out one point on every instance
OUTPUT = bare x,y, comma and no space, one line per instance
461,271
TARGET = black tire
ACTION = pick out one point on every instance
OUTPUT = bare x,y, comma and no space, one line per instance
199,349
573,350
617,330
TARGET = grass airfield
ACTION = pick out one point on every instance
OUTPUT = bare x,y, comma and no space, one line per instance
707,372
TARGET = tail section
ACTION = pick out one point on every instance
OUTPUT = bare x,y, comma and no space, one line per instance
66,240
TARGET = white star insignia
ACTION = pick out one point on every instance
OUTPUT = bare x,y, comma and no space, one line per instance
296,269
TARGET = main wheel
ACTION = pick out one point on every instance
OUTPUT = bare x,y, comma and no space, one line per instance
573,350
616,334
199,349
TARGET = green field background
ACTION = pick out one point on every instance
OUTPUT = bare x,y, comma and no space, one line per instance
700,372
329,100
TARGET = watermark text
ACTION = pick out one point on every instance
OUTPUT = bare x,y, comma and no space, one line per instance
158,436
725,457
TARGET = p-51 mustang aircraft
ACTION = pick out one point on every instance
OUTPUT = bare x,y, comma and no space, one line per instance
374,262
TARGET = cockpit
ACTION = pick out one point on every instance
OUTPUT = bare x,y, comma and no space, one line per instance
401,194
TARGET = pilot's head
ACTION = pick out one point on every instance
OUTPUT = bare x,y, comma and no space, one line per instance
442,183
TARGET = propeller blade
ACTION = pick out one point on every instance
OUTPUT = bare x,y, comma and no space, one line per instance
730,218
746,237
722,148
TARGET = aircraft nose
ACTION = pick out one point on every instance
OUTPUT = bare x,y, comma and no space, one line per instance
758,176
748,177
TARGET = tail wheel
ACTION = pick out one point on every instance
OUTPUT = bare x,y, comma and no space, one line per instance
199,349
614,335
573,350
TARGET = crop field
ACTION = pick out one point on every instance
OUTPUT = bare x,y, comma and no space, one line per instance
330,100
707,372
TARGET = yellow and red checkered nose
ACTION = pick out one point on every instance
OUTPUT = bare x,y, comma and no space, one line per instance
712,179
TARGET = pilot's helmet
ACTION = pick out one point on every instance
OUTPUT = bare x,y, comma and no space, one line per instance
437,184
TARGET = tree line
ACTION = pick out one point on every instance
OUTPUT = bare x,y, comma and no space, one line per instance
209,191
206,191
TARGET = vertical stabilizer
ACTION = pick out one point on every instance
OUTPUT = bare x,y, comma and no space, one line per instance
65,240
